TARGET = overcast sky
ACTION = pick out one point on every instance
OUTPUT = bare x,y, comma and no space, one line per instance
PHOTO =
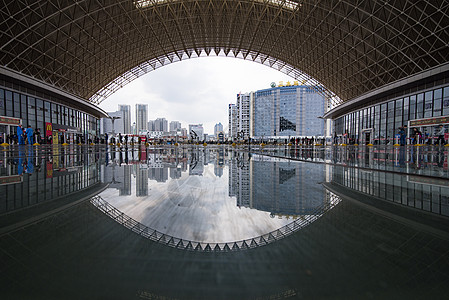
195,91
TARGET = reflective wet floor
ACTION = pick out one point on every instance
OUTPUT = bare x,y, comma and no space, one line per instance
221,222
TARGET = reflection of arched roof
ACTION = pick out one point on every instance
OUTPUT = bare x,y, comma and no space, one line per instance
350,47
183,244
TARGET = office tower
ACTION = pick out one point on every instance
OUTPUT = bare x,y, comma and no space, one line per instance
291,110
126,117
141,118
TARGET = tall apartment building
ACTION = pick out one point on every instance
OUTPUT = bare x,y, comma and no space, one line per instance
243,116
151,125
233,121
126,117
141,118
175,125
161,124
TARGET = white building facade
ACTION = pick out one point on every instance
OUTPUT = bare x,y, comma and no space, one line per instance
126,109
141,118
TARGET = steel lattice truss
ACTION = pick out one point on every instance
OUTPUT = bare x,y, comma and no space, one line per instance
92,48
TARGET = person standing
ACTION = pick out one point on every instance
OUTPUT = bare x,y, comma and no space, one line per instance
416,134
30,134
440,135
20,135
38,136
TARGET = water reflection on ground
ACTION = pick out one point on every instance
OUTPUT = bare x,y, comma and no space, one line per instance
110,223
215,196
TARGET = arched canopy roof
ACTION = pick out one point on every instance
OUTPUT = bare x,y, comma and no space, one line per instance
92,48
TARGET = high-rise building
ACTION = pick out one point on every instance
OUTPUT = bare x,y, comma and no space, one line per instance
184,132
141,118
175,125
233,121
217,129
284,111
126,117
161,124
151,125
196,132
243,116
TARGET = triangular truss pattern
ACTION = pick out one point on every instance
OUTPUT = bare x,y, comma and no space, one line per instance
92,48
175,242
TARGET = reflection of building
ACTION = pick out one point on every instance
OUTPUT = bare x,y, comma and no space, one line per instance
196,163
219,163
125,189
292,188
141,181
175,172
118,177
159,174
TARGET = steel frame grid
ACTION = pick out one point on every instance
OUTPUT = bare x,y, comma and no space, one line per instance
93,48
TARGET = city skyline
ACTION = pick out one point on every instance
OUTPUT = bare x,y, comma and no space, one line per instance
195,90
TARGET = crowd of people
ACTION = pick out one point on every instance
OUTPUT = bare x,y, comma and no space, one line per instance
24,136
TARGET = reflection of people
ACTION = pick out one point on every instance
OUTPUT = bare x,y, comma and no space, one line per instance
20,161
402,136
20,135
29,133
440,135
30,165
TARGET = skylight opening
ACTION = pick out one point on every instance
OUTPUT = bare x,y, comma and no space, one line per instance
288,4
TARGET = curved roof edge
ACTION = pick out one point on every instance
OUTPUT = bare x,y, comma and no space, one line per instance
66,98
174,57
431,74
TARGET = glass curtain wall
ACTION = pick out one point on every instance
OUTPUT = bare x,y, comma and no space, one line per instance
384,119
36,112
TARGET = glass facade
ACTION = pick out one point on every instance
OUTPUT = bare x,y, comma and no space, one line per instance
37,113
288,111
380,123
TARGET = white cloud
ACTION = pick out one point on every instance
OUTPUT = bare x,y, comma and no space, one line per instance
195,90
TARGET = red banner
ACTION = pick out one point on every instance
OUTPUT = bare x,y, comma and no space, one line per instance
48,129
